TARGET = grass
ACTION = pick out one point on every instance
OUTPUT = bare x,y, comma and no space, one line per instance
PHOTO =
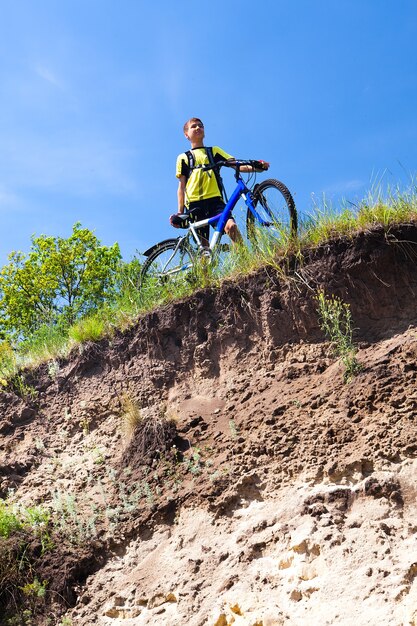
395,206
270,249
48,342
89,328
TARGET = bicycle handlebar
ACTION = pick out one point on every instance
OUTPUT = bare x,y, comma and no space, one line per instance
259,165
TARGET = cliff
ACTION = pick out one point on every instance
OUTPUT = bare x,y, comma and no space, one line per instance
211,466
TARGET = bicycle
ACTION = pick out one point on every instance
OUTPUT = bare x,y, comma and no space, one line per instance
269,204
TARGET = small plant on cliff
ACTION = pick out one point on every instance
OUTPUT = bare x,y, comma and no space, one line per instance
17,517
90,328
336,322
131,414
68,518
35,589
9,521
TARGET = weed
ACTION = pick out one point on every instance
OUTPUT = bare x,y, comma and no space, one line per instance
148,493
39,444
25,618
17,517
98,456
203,272
233,428
53,369
327,222
85,425
34,593
336,322
35,589
194,464
69,522
131,415
9,520
22,389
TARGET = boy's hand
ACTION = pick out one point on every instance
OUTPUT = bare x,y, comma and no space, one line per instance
173,220
264,165
179,220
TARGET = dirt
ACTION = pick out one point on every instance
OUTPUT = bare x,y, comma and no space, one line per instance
256,486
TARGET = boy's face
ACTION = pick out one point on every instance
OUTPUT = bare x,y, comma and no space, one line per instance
195,131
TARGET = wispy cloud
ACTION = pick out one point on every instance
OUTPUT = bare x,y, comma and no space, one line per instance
49,76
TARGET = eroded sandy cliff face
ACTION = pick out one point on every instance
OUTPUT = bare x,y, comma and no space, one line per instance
259,489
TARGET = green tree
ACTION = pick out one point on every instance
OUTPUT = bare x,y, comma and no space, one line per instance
58,281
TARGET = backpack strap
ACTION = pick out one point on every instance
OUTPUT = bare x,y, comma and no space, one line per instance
210,156
216,170
191,161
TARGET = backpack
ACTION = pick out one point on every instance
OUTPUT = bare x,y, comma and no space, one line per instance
210,156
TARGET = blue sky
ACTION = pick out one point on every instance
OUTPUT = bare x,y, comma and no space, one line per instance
94,93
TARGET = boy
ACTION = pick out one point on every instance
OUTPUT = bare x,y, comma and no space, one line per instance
199,192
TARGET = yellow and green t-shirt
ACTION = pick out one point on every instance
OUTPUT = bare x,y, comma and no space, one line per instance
200,184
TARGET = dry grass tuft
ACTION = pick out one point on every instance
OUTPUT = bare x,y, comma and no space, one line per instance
131,415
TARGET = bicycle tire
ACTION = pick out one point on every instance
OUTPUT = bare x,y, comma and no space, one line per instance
167,261
275,204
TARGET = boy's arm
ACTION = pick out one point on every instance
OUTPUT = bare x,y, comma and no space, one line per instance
181,193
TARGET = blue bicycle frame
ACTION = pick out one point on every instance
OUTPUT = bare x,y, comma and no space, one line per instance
218,222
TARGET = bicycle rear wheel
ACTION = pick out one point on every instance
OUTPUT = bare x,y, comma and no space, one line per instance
170,260
275,205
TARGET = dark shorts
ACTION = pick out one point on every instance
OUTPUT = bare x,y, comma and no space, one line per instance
202,210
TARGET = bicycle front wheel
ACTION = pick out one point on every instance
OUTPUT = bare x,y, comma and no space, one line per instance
169,260
276,208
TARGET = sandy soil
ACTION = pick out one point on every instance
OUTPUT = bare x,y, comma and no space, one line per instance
258,487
